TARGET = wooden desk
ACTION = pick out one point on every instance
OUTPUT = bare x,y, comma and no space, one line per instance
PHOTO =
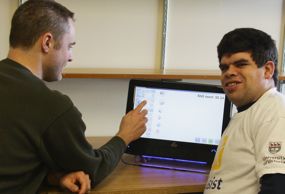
128,179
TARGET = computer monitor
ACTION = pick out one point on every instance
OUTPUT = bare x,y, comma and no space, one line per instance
185,120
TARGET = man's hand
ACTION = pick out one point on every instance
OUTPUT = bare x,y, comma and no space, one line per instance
77,182
133,124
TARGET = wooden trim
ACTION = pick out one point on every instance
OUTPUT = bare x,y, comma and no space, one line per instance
111,73
281,77
140,74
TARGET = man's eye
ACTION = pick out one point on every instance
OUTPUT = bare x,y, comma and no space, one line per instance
223,67
240,64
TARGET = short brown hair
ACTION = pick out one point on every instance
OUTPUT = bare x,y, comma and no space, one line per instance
35,17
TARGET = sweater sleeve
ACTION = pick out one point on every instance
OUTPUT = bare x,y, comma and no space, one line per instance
66,144
272,183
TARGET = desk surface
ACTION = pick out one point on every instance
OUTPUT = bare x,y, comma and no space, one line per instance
128,179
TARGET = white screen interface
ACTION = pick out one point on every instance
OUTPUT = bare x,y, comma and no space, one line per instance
180,115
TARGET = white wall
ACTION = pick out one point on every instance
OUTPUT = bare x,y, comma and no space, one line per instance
127,33
7,8
116,33
197,26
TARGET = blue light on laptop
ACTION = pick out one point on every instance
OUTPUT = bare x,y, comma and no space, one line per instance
175,160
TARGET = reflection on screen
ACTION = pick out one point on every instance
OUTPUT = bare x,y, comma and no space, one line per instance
186,116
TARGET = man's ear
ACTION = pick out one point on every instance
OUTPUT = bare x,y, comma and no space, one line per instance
269,68
46,42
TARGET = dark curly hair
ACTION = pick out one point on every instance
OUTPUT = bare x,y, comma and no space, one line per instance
261,46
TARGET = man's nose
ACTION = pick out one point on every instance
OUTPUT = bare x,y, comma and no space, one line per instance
232,70
70,58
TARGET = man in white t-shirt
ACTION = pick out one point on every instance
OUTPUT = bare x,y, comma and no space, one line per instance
251,156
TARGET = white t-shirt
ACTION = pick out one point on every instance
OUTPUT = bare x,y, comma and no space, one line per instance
252,145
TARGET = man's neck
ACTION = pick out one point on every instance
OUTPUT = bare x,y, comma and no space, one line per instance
245,107
248,105
28,59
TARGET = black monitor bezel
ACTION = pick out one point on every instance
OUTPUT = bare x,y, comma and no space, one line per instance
175,149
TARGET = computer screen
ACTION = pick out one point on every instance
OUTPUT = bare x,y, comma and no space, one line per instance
185,120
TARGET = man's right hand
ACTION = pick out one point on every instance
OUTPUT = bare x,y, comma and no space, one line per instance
76,182
133,124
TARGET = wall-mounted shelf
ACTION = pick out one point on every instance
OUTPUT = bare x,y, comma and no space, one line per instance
111,73
140,74
281,77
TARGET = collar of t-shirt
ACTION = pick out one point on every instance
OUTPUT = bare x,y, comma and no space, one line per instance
244,107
